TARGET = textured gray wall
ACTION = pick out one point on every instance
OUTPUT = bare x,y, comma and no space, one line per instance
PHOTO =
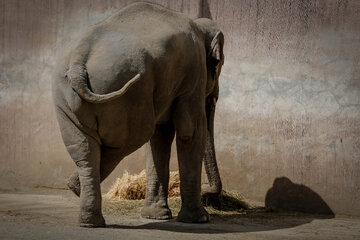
289,106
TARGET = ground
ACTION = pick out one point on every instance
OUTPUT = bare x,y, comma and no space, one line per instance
52,214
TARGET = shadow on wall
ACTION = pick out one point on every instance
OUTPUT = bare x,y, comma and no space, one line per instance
288,196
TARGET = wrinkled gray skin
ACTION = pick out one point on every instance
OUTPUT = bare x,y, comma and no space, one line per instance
143,74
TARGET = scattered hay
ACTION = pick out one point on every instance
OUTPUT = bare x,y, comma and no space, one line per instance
227,201
116,207
228,208
129,192
133,187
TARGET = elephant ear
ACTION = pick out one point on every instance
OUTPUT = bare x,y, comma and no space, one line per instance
216,51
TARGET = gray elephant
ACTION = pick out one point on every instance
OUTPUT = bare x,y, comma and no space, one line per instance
145,73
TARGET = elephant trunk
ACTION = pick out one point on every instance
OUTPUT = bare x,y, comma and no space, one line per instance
214,187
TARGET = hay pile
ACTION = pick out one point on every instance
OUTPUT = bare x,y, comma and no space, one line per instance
133,187
129,192
126,197
174,184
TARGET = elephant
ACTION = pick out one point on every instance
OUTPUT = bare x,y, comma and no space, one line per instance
145,74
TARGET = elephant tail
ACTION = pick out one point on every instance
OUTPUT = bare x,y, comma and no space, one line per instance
78,77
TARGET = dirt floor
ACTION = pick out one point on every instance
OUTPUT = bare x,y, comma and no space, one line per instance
52,214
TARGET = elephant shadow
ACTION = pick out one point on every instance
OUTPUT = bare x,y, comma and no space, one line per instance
287,205
288,196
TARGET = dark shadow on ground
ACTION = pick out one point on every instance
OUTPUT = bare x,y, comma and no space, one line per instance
230,213
286,205
255,220
288,196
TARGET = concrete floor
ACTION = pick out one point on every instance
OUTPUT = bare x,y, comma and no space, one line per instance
53,215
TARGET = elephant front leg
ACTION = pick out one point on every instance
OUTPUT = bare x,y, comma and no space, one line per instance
157,174
190,142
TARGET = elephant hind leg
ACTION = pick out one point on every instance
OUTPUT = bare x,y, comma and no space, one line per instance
87,159
85,151
157,174
73,183
110,158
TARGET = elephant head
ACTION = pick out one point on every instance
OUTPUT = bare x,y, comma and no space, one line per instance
214,44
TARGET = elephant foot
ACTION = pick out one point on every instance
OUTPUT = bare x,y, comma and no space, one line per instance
92,221
198,215
156,212
73,184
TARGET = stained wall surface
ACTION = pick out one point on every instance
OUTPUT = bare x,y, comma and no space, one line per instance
288,116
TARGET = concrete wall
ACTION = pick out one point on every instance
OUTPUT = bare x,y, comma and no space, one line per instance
288,118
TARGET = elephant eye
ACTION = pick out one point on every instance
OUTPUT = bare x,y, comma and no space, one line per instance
215,62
